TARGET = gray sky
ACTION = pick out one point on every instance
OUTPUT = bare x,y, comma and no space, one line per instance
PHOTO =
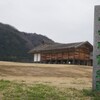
61,20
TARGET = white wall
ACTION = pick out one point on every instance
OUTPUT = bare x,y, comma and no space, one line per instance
37,57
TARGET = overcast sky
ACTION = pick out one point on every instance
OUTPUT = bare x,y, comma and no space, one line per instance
61,20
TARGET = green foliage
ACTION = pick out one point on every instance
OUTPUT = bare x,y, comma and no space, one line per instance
4,84
95,95
14,45
22,91
35,92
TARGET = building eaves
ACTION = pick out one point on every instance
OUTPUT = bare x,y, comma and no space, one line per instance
56,46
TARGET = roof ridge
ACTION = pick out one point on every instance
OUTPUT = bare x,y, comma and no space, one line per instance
57,46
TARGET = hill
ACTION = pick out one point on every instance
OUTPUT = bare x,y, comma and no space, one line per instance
14,45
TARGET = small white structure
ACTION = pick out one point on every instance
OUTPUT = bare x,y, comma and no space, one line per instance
37,57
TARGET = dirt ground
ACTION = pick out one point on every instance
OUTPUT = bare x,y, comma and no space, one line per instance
53,74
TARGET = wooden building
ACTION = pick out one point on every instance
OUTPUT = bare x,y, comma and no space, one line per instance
71,53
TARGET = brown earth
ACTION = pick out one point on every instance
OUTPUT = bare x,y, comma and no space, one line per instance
53,74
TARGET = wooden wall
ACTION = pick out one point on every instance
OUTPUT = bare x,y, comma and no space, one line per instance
72,54
75,54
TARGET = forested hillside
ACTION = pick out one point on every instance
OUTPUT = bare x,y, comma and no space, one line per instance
14,45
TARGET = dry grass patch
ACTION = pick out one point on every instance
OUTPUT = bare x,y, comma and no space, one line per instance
52,74
29,81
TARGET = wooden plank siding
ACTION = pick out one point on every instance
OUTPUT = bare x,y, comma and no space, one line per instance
75,53
68,54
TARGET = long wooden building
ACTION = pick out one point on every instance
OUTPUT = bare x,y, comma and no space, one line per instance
71,53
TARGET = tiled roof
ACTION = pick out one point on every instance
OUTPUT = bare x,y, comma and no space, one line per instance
57,46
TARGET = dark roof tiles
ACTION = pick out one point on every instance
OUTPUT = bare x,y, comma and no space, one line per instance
57,46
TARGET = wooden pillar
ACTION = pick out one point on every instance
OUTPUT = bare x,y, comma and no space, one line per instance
68,57
84,57
74,56
79,56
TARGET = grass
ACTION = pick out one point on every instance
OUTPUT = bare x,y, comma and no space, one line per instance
29,81
52,74
10,90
